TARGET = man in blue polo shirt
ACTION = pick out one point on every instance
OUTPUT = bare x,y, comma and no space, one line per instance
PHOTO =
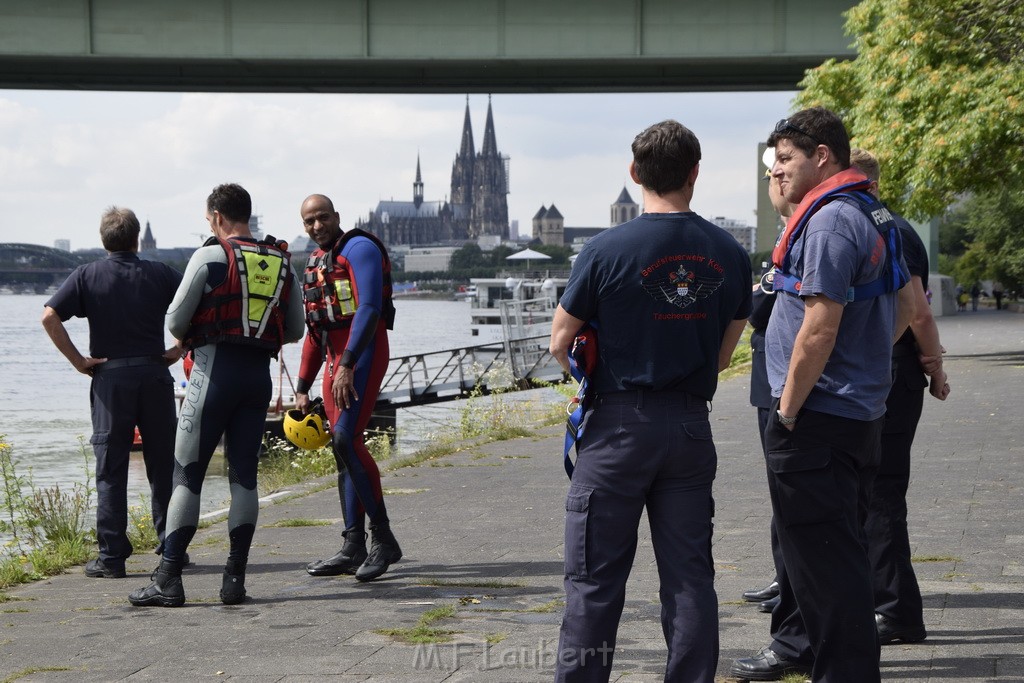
124,299
828,352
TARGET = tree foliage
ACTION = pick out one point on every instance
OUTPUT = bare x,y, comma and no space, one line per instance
468,256
936,92
559,254
994,222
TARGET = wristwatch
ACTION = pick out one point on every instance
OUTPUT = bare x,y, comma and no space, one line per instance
783,420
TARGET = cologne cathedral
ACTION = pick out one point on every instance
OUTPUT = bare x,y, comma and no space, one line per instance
477,206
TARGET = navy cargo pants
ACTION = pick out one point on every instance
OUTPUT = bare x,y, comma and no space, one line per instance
121,399
640,449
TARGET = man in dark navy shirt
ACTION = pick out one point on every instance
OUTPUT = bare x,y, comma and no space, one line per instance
669,294
917,364
124,299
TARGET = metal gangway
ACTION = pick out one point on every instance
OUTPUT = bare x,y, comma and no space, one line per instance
451,374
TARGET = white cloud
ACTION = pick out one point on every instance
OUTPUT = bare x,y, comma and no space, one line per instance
64,156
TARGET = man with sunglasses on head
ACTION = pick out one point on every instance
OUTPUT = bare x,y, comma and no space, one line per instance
828,344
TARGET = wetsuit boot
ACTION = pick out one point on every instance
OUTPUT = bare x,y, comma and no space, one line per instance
383,551
232,587
165,591
347,560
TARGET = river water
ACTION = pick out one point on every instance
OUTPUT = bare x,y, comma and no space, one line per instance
44,402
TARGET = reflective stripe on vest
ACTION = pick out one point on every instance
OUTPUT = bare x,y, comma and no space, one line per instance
261,274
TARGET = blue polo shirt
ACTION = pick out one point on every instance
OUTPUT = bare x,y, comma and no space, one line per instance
837,250
124,299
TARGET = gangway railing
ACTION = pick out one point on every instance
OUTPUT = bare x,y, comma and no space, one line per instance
450,374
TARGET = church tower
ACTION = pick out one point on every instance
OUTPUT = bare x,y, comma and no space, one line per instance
624,209
480,183
417,186
147,242
490,201
462,169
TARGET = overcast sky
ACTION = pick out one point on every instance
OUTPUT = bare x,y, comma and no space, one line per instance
65,156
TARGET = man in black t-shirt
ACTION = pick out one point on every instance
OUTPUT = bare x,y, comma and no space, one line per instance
124,299
669,294
917,363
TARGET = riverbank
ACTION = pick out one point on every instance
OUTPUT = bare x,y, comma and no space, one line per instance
481,531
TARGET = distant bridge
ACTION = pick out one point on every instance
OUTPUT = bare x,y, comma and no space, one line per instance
35,267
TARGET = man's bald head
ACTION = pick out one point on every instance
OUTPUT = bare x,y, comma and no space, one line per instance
321,222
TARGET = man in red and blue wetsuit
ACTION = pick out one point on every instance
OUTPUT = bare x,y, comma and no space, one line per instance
347,292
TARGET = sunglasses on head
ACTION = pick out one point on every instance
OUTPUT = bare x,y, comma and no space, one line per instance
783,125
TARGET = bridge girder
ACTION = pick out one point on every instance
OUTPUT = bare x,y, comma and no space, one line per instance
413,46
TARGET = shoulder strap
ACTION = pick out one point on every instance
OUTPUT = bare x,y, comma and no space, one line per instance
582,362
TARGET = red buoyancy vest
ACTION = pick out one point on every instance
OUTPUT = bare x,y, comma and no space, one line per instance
247,307
328,289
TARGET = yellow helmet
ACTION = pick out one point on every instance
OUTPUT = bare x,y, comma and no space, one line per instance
307,431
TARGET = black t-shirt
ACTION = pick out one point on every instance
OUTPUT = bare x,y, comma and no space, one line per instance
916,256
662,289
124,298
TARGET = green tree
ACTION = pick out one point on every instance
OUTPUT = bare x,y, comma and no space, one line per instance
467,257
937,92
559,254
995,222
954,237
499,254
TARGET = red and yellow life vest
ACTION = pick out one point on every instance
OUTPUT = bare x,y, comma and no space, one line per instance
328,287
248,306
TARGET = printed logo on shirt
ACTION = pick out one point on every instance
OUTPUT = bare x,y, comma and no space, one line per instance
681,287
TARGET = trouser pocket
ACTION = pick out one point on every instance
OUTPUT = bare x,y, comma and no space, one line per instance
804,485
577,512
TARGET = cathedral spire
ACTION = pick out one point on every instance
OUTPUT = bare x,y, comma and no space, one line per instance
148,241
417,187
468,150
490,143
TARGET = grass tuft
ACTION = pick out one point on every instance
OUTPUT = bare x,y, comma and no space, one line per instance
285,523
424,631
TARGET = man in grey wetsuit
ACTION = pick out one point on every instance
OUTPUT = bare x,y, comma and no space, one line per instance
238,302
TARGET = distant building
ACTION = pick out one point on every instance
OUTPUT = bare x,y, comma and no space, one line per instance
148,242
63,245
478,206
254,226
429,259
549,224
624,209
745,234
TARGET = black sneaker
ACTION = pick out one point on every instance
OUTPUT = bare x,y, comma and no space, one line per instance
165,591
232,589
97,569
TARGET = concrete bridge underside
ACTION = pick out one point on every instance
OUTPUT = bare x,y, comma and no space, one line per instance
400,46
